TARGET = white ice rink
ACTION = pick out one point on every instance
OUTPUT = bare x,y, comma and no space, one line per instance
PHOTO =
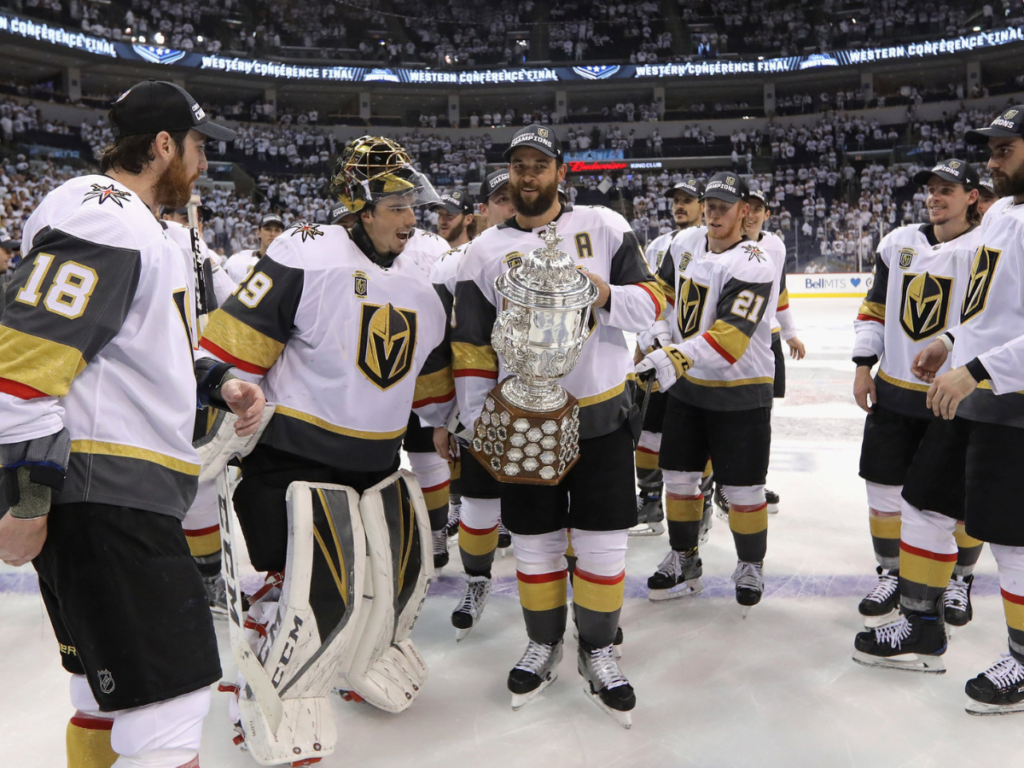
776,689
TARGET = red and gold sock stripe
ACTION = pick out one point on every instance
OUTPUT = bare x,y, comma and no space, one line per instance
436,496
477,541
748,519
1013,607
886,525
646,458
963,541
88,742
684,509
542,591
598,593
932,569
203,542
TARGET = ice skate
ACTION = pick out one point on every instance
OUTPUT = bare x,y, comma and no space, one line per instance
616,643
606,686
999,690
440,548
466,616
772,500
536,670
749,584
454,515
722,503
504,538
677,576
956,601
650,515
216,593
881,606
913,642
707,520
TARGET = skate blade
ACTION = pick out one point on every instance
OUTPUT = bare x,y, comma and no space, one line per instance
722,514
744,610
625,719
686,589
981,709
617,651
520,700
647,529
908,662
872,622
773,509
460,634
704,536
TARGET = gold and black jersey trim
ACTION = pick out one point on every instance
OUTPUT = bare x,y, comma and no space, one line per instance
316,439
873,306
725,395
985,405
907,398
603,413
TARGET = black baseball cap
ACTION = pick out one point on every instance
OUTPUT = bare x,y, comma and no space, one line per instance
495,180
986,187
153,106
726,186
205,212
690,186
537,136
1009,124
455,203
8,243
338,212
271,218
957,171
757,194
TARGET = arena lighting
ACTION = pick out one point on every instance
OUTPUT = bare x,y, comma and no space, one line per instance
158,38
977,29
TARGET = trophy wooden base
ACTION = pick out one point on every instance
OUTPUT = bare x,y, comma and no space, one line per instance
530,447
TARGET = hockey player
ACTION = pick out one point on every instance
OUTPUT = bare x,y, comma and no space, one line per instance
920,275
687,211
342,216
986,196
479,534
596,499
974,451
98,393
455,221
718,372
239,264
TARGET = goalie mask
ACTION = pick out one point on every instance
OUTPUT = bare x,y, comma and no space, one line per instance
372,168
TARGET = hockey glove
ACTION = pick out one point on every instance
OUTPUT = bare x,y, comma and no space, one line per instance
32,470
660,332
669,365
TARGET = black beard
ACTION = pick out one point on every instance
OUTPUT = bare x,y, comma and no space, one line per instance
1009,186
456,232
545,197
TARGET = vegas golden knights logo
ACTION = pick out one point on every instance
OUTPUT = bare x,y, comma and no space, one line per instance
387,340
924,304
979,283
359,284
906,256
514,259
690,304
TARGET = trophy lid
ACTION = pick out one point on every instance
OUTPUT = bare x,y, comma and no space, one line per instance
547,278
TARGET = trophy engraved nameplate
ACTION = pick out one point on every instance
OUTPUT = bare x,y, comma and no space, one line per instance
529,429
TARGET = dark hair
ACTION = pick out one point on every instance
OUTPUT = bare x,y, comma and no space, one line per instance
133,153
973,215
471,226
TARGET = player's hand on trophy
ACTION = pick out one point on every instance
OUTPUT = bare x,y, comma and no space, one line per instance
949,390
864,389
928,361
797,350
604,290
247,402
659,335
668,365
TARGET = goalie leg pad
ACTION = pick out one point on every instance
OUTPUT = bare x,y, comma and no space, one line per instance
386,670
220,444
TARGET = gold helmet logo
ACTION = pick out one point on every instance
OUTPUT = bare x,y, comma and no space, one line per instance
1010,114
730,179
692,298
906,257
925,304
387,341
979,283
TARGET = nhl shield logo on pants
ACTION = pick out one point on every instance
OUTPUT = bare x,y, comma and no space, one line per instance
106,680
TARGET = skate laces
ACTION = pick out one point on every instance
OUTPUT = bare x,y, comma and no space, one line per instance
476,591
748,576
502,530
888,582
894,633
602,661
454,512
440,541
672,565
1005,673
535,657
955,595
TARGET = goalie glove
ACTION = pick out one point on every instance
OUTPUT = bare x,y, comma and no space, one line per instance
660,332
668,363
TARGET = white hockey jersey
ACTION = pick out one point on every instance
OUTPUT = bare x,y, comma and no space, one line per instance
781,320
918,286
424,248
217,279
992,318
722,315
600,241
346,347
238,265
657,248
97,337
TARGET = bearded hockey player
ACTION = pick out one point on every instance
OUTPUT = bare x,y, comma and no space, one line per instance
687,212
974,451
920,278
718,373
479,535
98,396
596,500
346,333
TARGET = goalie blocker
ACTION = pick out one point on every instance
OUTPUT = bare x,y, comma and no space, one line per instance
356,576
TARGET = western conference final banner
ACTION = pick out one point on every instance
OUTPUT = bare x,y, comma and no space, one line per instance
42,32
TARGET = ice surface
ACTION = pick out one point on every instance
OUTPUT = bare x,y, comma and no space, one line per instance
776,689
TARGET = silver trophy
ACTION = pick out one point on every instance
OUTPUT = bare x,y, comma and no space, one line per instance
529,429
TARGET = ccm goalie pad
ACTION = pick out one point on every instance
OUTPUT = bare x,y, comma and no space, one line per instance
220,444
300,627
385,669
